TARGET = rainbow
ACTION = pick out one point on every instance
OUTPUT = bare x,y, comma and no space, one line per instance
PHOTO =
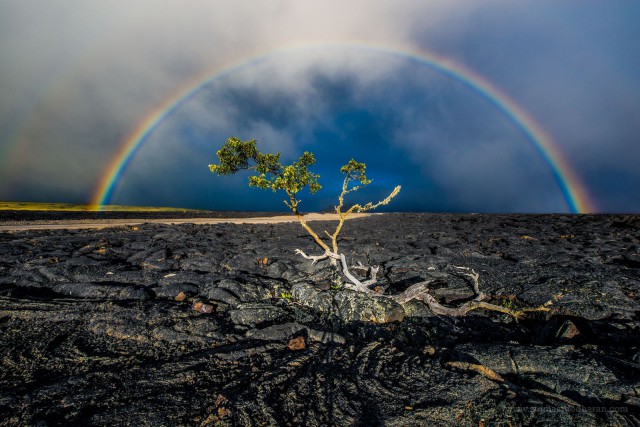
574,192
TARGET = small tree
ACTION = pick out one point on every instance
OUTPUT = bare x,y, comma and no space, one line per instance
271,174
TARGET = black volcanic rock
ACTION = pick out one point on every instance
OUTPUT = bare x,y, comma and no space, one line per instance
92,332
348,305
101,291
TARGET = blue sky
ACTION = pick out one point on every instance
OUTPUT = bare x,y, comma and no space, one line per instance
78,77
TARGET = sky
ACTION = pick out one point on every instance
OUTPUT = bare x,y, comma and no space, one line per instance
491,106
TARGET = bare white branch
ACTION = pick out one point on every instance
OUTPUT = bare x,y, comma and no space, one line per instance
345,270
471,274
313,258
373,276
420,291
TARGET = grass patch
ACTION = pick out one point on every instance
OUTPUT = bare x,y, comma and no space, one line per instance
69,207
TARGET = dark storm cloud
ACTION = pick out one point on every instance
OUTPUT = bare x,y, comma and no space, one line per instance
78,76
428,134
573,66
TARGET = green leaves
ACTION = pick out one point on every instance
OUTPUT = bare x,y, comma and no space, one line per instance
271,174
261,181
371,206
236,155
355,171
296,176
268,163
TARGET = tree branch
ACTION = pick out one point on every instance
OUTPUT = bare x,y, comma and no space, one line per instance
373,273
313,258
420,291
480,296
356,283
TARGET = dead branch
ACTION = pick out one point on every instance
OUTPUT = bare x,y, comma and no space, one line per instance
420,291
313,258
471,274
359,286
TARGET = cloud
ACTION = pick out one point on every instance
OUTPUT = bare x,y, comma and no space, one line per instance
77,78
429,133
99,67
570,67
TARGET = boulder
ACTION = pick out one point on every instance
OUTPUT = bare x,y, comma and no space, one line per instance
101,291
348,305
253,314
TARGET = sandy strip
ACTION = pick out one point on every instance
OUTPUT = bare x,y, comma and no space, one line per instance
105,223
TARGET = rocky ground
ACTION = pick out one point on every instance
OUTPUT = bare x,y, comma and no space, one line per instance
38,217
225,325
